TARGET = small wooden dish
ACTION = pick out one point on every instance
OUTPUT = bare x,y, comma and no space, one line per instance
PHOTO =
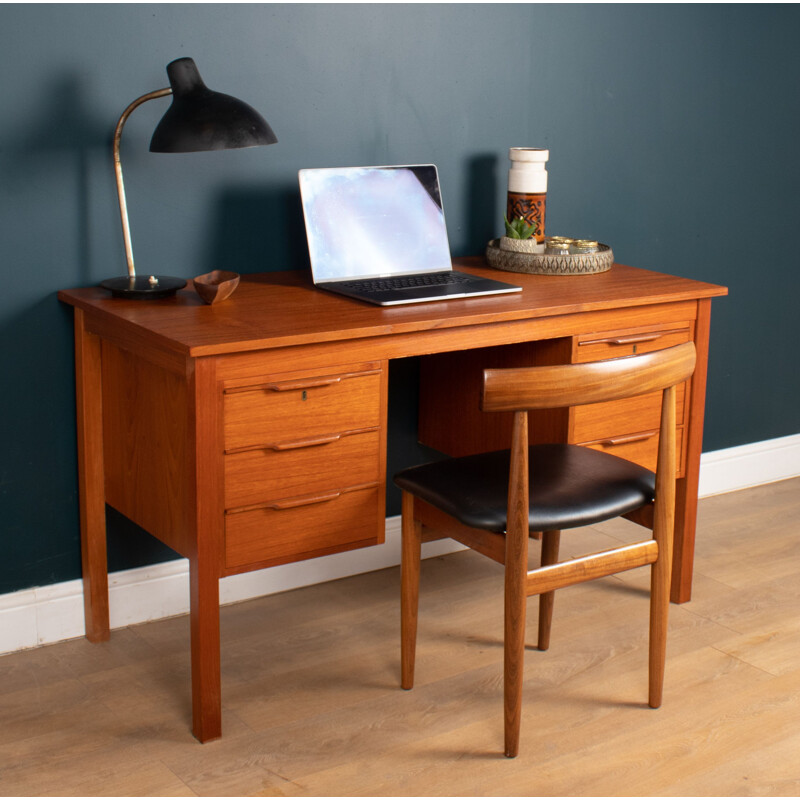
216,286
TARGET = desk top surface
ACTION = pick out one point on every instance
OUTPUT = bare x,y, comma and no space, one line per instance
280,309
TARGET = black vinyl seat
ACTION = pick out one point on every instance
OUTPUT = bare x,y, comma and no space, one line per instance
569,486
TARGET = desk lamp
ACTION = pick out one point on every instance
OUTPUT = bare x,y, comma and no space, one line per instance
198,119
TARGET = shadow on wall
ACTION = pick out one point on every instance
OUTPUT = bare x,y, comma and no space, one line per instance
66,129
258,230
40,543
482,194
38,480
262,230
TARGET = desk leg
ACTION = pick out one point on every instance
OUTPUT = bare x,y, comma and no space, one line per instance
91,481
204,562
206,698
687,487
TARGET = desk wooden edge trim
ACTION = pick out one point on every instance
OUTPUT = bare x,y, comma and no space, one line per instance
242,365
173,353
451,324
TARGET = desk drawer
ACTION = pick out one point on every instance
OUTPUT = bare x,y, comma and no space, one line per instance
641,448
303,527
634,341
301,408
604,420
629,427
301,467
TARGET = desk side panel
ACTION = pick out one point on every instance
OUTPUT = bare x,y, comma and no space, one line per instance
145,429
450,415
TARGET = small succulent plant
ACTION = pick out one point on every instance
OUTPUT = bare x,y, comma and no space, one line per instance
519,228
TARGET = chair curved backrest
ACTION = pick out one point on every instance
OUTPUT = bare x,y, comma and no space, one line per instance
564,385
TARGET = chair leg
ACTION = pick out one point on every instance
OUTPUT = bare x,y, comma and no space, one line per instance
659,611
514,657
663,532
550,543
409,590
516,573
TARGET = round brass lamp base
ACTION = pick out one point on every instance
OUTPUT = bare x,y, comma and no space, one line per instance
143,287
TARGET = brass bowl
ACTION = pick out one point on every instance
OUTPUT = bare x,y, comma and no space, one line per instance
216,286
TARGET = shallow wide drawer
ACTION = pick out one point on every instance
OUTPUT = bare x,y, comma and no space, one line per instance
642,413
305,408
295,532
615,344
640,448
301,467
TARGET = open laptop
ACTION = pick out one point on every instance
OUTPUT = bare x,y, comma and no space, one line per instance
378,234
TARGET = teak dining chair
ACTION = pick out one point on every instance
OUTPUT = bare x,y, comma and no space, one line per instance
492,502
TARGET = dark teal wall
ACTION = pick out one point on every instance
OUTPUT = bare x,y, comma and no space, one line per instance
673,133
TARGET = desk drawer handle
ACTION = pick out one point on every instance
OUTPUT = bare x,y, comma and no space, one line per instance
303,501
633,437
281,446
300,383
297,502
291,386
636,338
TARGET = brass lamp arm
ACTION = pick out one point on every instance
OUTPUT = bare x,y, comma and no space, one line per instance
123,208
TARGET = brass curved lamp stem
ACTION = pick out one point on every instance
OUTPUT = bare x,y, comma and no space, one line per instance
123,207
198,120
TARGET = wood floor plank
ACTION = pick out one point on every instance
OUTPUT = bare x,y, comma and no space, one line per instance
312,704
85,777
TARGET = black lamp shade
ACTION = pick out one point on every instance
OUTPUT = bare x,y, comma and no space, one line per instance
201,119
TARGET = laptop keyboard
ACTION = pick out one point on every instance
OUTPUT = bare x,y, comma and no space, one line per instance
408,282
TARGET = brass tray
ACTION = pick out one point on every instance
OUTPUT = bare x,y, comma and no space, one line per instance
543,264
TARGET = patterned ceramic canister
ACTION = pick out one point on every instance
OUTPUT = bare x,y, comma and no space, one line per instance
527,186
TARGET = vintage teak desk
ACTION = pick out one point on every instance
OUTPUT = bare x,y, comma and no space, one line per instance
253,433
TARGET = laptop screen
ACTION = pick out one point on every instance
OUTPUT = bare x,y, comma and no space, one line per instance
365,222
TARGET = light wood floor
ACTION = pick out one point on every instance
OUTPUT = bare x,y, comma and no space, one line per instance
311,704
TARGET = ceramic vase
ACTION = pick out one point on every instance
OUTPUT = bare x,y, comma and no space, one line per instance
527,186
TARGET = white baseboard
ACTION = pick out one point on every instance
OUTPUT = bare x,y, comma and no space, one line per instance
749,465
48,614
